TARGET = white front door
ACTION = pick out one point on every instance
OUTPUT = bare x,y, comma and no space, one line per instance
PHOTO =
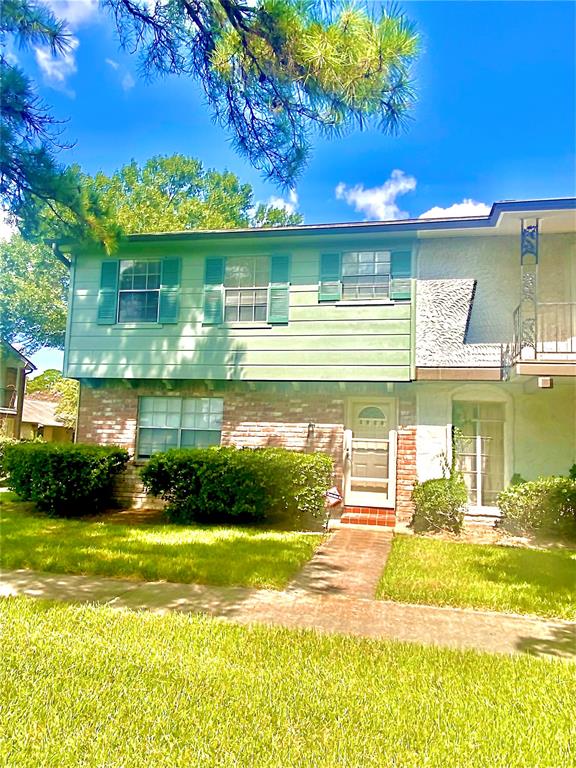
370,454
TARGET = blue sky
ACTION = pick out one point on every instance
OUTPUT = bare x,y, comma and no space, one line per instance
495,118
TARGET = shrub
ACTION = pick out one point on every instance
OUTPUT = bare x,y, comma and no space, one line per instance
4,441
439,504
547,504
63,479
230,484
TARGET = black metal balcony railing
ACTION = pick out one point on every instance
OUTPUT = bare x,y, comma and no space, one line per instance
556,327
552,333
8,398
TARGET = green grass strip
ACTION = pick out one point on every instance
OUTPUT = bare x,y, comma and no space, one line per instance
223,556
87,686
496,578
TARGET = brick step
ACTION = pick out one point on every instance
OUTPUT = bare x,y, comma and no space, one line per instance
378,516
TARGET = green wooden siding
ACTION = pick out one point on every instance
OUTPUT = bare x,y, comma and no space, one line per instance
321,342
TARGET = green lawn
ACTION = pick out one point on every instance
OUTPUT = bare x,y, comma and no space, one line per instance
91,687
190,554
497,578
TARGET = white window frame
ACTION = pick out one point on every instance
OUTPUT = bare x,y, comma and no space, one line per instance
139,290
379,281
180,429
242,287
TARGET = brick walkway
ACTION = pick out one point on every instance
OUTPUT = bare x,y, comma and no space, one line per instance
349,563
333,593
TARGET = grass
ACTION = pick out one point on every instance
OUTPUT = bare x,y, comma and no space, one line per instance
496,578
223,556
93,687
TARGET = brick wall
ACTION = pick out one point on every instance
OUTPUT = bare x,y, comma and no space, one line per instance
405,473
109,414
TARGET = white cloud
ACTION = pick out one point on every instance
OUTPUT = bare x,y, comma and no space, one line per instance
56,69
11,58
112,63
74,12
378,203
289,205
7,228
127,82
467,207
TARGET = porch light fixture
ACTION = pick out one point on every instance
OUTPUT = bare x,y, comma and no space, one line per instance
311,428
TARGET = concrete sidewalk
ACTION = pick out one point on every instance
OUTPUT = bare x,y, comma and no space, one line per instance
324,612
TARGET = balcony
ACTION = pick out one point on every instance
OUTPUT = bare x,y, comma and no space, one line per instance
8,399
548,336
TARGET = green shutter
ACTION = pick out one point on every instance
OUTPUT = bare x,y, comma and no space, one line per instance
401,270
280,268
169,291
108,293
330,285
278,303
213,291
279,293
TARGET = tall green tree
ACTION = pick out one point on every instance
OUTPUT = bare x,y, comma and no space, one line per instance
33,296
30,137
166,194
275,71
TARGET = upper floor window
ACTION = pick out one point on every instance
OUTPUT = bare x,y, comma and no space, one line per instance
139,291
365,276
246,289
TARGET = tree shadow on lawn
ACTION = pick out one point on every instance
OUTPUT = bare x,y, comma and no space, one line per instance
544,573
218,556
562,643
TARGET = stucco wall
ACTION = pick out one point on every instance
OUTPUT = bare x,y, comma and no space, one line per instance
540,429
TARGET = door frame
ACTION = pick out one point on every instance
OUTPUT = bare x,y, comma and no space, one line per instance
361,498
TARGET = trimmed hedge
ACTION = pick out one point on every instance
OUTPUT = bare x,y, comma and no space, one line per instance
439,504
547,504
218,485
4,442
62,479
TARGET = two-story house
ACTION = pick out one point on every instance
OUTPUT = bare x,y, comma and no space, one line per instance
14,368
369,341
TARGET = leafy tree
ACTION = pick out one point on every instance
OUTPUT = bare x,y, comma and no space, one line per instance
273,71
29,135
173,193
33,295
53,382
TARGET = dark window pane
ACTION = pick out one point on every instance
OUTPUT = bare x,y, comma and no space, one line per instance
138,306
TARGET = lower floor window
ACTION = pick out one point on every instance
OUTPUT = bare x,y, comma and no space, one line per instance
178,422
480,449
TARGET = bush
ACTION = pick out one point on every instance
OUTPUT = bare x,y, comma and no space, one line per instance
547,504
219,485
439,504
63,479
4,441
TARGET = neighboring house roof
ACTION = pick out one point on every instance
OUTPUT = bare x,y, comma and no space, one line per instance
41,412
10,350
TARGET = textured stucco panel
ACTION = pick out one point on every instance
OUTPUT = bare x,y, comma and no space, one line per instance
442,315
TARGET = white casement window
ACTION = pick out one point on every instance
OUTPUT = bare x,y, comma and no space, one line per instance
246,289
365,275
138,291
479,442
178,422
